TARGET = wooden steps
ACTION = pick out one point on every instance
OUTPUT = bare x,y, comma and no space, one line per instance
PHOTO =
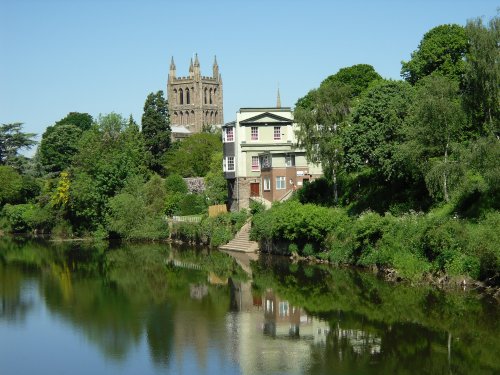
241,242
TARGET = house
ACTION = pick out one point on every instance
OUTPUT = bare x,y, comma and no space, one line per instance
261,158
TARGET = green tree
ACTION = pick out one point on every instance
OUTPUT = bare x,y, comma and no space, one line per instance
357,77
319,127
82,121
441,51
137,212
176,190
374,132
11,185
12,140
215,183
58,146
156,128
191,157
482,75
436,121
110,154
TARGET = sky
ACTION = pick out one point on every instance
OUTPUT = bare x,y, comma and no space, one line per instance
102,56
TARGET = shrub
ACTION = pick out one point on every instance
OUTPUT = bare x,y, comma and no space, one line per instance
293,248
308,250
28,217
192,204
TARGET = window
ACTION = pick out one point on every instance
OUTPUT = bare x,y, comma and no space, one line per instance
280,183
290,160
283,308
277,133
229,134
229,164
255,163
254,133
267,183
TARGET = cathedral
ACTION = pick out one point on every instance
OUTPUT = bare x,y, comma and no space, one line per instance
195,101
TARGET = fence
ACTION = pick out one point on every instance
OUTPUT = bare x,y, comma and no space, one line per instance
187,219
216,210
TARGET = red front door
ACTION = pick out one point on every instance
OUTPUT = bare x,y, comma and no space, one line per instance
254,189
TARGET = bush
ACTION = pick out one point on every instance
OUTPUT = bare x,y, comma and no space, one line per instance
192,204
308,250
28,217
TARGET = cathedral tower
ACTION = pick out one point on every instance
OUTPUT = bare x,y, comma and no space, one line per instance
195,101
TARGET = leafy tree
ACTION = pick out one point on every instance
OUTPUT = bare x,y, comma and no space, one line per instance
12,140
357,77
192,156
156,128
174,183
374,132
109,155
82,121
216,184
176,190
437,120
11,185
441,51
319,127
58,146
137,212
482,75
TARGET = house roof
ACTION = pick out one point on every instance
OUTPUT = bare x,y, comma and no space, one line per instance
266,117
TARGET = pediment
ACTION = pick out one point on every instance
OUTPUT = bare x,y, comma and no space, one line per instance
266,118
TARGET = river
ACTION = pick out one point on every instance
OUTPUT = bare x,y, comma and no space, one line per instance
78,308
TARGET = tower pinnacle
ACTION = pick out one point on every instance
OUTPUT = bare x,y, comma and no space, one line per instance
278,99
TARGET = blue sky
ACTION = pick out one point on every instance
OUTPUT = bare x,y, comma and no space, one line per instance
99,56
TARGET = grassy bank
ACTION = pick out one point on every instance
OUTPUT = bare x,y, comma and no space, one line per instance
414,245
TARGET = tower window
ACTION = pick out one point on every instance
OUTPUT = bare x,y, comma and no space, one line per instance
210,96
181,97
188,97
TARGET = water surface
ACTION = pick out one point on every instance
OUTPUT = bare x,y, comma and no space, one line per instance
154,309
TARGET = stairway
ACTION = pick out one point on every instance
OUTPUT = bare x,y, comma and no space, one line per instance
241,242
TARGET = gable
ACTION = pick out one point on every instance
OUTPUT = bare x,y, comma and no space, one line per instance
266,118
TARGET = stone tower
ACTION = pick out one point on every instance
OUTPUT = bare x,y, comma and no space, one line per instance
195,101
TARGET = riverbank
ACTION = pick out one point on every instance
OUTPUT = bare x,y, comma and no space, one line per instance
416,247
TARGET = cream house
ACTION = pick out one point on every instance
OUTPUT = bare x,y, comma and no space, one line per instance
261,158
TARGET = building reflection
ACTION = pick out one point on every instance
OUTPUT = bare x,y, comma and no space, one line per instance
270,334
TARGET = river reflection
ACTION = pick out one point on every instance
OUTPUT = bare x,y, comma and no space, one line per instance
155,309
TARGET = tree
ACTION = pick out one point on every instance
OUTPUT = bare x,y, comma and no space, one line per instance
436,121
58,146
110,154
319,127
374,132
12,140
216,184
441,51
11,185
156,128
191,157
82,121
482,75
357,77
